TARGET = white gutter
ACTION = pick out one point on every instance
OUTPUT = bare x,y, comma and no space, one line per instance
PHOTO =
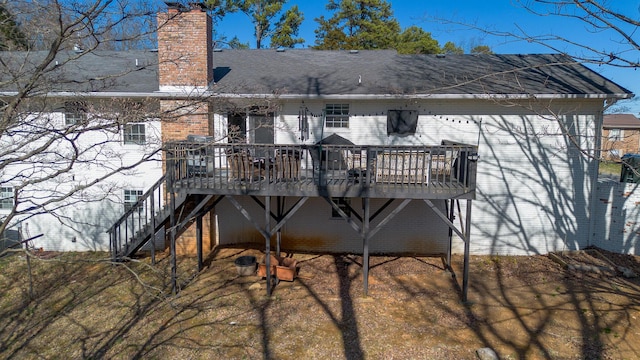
205,94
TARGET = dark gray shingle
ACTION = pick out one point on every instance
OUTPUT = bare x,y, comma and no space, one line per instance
380,72
100,71
322,73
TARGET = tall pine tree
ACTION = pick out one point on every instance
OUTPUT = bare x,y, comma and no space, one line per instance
357,24
263,13
11,37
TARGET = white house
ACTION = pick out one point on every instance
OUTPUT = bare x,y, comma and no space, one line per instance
534,119
78,153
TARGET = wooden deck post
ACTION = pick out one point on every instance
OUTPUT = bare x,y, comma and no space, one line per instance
267,252
172,244
199,241
365,247
450,203
467,241
153,230
280,204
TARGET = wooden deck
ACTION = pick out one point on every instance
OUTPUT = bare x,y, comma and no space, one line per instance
412,172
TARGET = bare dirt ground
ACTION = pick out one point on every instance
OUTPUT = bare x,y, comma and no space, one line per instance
82,306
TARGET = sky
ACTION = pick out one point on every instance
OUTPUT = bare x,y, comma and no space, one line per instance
499,15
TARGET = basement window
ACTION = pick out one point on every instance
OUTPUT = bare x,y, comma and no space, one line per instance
344,204
135,134
6,197
131,197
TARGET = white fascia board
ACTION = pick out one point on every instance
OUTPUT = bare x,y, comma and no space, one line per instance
425,96
200,93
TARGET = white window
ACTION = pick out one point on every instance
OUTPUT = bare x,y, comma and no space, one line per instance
6,197
75,112
135,134
615,135
337,115
131,197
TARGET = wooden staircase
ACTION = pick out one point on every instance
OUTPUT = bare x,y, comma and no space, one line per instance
139,225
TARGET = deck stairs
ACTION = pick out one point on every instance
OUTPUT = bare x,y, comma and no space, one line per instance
146,224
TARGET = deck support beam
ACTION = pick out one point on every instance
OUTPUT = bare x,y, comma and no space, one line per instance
199,242
280,206
267,238
464,234
153,230
172,243
364,229
467,243
365,245
449,207
267,231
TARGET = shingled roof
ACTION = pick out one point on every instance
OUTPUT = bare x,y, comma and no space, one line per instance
314,73
621,121
384,72
71,71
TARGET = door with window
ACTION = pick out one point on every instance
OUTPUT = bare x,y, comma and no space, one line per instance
237,127
262,132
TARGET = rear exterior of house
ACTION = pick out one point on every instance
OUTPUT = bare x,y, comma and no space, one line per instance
528,124
532,190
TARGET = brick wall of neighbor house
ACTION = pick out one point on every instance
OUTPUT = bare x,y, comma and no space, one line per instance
184,52
629,142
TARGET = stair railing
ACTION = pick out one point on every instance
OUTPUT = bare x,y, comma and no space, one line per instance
139,221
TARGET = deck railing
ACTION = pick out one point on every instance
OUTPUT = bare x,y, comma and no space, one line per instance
343,169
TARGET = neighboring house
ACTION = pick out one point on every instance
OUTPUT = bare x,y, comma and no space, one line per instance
620,135
399,131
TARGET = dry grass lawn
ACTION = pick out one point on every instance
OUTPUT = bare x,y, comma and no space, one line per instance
523,307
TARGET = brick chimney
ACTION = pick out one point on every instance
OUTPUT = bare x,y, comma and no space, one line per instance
186,67
185,56
185,48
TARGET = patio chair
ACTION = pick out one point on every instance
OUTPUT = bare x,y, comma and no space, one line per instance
242,166
287,164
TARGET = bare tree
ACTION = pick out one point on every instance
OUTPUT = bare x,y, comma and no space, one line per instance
597,16
616,20
59,145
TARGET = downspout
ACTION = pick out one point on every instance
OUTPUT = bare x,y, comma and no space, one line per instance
594,172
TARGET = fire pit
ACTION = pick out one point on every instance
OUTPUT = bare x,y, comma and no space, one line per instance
246,265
